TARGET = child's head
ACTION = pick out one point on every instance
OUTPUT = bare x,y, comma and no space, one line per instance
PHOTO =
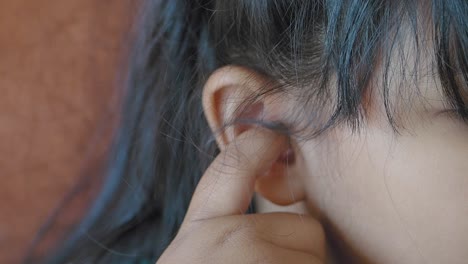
375,96
373,93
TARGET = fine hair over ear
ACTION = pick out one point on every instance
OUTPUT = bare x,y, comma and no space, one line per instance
235,98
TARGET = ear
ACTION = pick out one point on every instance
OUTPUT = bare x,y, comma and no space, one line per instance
237,93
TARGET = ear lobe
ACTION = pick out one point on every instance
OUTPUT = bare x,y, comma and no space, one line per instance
226,98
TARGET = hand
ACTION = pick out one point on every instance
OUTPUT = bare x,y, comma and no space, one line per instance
215,230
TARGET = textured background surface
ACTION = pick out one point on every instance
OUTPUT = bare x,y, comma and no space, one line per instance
58,68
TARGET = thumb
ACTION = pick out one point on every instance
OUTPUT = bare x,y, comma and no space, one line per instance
228,185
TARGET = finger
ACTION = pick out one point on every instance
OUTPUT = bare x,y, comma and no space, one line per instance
285,230
292,231
227,186
287,256
264,253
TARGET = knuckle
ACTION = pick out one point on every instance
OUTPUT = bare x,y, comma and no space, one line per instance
232,234
236,234
236,157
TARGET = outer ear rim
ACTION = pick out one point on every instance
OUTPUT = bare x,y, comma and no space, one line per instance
224,77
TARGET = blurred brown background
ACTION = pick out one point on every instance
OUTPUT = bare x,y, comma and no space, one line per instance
59,61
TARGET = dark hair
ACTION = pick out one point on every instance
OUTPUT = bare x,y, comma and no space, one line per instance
322,51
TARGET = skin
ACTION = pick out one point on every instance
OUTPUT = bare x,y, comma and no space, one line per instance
382,196
214,229
386,197
394,199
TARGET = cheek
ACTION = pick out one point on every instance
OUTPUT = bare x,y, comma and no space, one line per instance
395,199
428,182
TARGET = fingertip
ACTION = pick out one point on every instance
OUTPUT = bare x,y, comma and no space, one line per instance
228,185
261,145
